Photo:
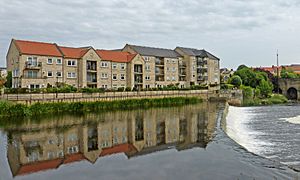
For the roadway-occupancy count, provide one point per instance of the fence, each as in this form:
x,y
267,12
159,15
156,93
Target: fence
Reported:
x,y
106,96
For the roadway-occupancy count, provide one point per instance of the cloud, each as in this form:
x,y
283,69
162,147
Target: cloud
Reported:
x,y
166,23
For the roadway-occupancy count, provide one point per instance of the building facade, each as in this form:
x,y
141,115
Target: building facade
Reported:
x,y
41,65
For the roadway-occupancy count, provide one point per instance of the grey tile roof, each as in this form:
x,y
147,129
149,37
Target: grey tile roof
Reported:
x,y
157,52
196,52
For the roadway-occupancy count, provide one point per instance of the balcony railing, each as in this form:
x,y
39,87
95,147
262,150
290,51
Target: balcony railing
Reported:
x,y
33,65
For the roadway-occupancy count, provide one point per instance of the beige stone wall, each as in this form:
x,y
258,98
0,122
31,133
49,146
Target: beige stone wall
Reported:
x,y
105,70
138,60
119,71
150,62
12,62
91,55
71,69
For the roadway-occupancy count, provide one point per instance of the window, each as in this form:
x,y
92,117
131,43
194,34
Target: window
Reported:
x,y
114,76
174,69
104,64
173,78
32,74
104,75
174,61
146,58
122,66
147,86
104,86
58,74
50,74
71,75
60,154
32,61
114,66
50,61
147,77
122,76
72,137
73,149
147,67
51,155
58,61
72,62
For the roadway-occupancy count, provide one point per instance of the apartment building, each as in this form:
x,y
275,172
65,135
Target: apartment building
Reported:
x,y
202,68
161,66
41,65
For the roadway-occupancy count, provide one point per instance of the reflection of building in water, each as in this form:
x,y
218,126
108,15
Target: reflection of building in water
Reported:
x,y
37,147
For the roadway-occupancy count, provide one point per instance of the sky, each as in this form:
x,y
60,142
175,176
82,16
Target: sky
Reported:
x,y
236,31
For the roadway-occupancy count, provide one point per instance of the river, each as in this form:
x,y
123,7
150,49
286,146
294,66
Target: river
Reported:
x,y
269,131
185,142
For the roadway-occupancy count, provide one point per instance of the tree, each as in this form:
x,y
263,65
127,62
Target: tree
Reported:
x,y
265,88
288,73
2,82
241,67
8,83
236,81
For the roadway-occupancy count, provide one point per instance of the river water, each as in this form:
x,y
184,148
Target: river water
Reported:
x,y
184,142
269,131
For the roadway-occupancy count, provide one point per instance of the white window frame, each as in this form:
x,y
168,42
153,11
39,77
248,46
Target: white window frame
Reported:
x,y
104,75
51,73
72,75
114,77
72,63
122,77
114,65
57,74
51,61
122,66
104,64
59,59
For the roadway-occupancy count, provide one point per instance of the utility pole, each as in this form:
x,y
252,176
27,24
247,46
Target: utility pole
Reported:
x,y
277,73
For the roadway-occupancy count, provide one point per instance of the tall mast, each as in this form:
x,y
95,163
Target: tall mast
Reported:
x,y
277,73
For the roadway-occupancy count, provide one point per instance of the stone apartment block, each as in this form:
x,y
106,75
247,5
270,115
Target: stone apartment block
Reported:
x,y
41,65
202,67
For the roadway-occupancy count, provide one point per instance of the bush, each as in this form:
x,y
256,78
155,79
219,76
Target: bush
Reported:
x,y
236,81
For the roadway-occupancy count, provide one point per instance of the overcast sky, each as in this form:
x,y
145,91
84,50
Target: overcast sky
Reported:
x,y
237,31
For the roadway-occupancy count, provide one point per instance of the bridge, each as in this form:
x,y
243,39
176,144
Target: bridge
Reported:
x,y
290,88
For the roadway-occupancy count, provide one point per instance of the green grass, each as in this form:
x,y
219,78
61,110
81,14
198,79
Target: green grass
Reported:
x,y
9,109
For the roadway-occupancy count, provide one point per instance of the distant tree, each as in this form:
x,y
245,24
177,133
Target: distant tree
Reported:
x,y
8,82
236,81
2,81
265,88
288,73
241,67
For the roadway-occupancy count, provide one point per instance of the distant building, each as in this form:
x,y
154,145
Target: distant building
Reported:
x,y
226,74
273,69
3,72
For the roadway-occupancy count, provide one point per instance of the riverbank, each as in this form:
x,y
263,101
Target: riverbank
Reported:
x,y
273,99
9,109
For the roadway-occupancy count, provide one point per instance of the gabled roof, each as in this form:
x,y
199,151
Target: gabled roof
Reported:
x,y
115,56
37,48
71,52
196,52
157,52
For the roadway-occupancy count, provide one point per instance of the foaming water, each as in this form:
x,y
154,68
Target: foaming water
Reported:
x,y
237,129
293,120
270,131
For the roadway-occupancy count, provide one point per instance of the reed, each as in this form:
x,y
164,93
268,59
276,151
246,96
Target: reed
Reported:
x,y
8,109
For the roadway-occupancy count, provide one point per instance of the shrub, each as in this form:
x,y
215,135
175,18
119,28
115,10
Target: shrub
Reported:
x,y
236,81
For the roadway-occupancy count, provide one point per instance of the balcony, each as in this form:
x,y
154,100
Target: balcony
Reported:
x,y
159,62
33,65
138,69
91,66
182,65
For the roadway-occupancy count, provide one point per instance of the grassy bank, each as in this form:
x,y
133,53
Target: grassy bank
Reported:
x,y
273,99
8,109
